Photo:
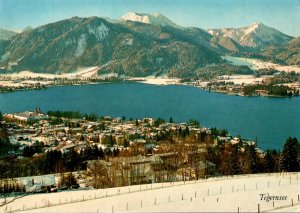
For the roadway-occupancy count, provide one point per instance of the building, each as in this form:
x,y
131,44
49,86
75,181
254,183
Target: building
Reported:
x,y
42,183
27,116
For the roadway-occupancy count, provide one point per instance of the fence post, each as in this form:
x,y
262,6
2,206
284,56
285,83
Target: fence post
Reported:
x,y
182,196
273,204
258,208
244,187
112,209
292,202
238,209
217,199
141,204
195,194
298,197
154,201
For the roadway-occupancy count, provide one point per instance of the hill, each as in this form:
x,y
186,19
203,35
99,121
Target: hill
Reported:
x,y
6,34
127,48
138,45
288,54
254,36
226,194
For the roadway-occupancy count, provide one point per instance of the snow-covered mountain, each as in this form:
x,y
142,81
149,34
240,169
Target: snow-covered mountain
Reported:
x,y
155,19
127,48
256,35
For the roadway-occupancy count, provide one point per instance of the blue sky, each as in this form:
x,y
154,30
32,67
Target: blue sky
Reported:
x,y
283,15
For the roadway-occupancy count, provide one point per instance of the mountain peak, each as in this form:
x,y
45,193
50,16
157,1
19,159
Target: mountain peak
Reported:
x,y
255,35
155,19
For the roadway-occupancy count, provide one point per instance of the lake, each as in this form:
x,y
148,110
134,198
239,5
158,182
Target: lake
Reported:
x,y
270,120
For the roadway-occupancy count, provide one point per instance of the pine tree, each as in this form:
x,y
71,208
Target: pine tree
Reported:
x,y
289,156
251,160
269,162
234,161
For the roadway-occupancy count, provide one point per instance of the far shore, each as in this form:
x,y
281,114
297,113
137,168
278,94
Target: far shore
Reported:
x,y
27,80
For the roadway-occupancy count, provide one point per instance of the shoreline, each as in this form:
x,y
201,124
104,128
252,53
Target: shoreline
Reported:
x,y
149,81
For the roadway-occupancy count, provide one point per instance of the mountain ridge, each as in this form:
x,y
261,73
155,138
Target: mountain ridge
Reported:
x,y
133,49
256,35
138,44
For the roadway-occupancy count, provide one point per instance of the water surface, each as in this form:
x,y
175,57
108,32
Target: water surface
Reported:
x,y
270,120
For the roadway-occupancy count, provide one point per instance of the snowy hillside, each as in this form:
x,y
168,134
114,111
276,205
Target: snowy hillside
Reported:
x,y
155,19
245,193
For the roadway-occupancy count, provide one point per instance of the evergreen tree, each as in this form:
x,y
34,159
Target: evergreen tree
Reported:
x,y
251,160
1,116
289,156
234,160
180,131
101,153
269,162
171,120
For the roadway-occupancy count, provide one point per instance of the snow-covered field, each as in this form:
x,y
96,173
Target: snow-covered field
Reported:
x,y
226,194
259,64
157,81
84,72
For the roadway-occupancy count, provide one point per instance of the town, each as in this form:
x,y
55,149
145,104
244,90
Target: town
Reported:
x,y
63,150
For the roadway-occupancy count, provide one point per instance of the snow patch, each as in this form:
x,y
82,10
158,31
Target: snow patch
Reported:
x,y
155,19
128,41
211,32
100,32
70,41
81,45
131,16
5,56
